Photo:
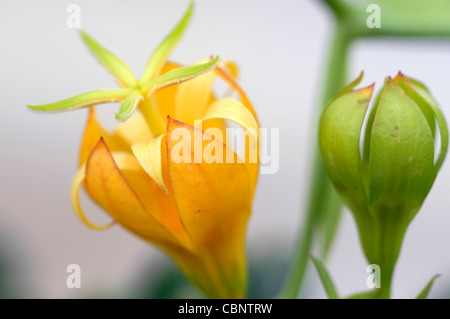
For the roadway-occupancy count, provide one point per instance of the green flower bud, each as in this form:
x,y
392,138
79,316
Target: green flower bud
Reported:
x,y
384,173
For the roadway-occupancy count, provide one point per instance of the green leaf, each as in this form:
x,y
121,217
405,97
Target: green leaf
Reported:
x,y
83,100
112,63
161,54
325,278
426,290
177,76
371,294
129,105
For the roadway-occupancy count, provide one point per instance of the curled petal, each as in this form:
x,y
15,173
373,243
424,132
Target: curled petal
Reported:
x,y
231,68
123,160
253,168
232,82
192,97
74,197
149,156
233,110
106,184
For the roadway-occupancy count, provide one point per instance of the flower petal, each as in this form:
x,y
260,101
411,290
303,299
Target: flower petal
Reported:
x,y
133,131
74,197
231,68
125,161
106,184
214,203
192,97
253,168
232,82
92,134
165,99
149,156
233,110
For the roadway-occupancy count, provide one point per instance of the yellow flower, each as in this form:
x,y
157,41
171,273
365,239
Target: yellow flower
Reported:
x,y
195,209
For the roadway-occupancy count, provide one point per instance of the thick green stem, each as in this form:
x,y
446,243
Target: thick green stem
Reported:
x,y
323,202
382,230
386,281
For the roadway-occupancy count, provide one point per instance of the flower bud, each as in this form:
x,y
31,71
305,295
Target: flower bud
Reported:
x,y
384,173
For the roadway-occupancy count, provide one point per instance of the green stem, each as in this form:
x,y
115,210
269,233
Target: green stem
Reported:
x,y
386,280
381,231
323,200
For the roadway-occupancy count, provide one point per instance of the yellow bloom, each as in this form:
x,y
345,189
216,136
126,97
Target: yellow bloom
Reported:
x,y
196,211
201,221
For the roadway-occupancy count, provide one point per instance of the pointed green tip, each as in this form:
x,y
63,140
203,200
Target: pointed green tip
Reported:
x,y
121,117
34,107
40,107
85,37
426,290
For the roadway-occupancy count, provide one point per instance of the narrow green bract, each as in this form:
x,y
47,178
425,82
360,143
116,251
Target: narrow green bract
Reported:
x,y
178,75
129,105
134,93
112,63
160,55
83,100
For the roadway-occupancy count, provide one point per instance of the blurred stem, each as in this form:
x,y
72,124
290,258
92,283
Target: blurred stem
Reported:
x,y
386,280
323,202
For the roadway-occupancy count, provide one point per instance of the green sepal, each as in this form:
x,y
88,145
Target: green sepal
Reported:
x,y
83,100
119,69
161,54
347,89
339,136
426,290
177,76
129,105
325,278
429,106
401,145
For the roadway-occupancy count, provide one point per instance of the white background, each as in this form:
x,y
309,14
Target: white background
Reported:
x,y
280,47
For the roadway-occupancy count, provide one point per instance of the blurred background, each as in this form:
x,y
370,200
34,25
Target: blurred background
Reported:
x,y
280,47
